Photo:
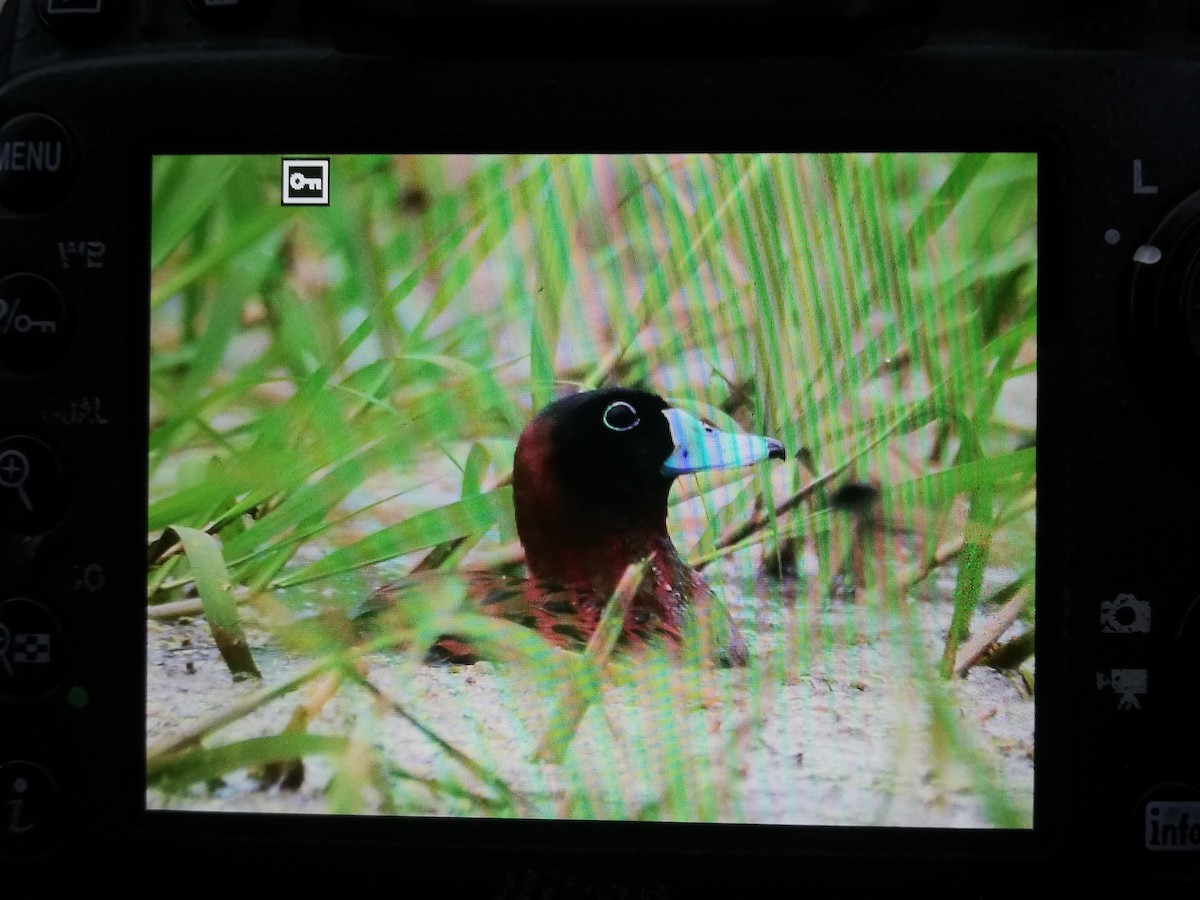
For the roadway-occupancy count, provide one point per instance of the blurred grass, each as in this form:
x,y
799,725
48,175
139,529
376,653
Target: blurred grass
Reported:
x,y
336,388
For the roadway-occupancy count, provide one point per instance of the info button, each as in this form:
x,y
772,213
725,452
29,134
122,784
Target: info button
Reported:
x,y
36,163
1167,823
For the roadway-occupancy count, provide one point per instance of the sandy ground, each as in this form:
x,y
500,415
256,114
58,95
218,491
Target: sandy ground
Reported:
x,y
826,726
844,738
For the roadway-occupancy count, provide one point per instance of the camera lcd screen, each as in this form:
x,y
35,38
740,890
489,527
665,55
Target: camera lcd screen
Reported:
x,y
673,487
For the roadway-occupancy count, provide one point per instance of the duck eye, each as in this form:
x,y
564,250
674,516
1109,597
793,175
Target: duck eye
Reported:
x,y
620,416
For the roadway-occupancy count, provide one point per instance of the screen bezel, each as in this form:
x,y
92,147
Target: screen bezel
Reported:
x,y
717,840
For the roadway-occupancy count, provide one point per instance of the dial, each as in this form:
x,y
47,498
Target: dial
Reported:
x,y
1165,303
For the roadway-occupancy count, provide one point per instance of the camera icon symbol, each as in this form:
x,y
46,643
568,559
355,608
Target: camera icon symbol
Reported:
x,y
1125,614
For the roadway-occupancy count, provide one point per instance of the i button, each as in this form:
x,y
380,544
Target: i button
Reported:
x,y
33,808
36,163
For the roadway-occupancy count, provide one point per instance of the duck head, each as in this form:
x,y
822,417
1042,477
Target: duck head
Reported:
x,y
591,477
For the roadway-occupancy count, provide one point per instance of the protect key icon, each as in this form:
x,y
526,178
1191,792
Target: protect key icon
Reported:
x,y
34,323
305,182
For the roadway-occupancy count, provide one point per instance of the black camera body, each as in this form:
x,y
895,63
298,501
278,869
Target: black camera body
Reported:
x,y
1107,98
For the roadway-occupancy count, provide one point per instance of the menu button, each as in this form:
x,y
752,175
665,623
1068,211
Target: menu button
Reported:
x,y
36,162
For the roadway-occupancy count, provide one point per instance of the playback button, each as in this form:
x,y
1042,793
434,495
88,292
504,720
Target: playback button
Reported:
x,y
33,323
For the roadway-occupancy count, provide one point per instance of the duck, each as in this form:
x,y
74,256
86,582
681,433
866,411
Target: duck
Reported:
x,y
591,478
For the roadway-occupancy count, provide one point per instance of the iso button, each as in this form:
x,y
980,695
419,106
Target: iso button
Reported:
x,y
34,493
36,163
33,324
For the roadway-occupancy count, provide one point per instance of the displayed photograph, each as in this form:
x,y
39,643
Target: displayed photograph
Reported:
x,y
658,487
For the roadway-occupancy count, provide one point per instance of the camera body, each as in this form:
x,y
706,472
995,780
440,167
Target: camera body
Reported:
x,y
1106,98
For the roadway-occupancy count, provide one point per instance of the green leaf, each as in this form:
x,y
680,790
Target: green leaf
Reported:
x,y
428,529
220,608
478,460
185,190
939,487
244,235
176,771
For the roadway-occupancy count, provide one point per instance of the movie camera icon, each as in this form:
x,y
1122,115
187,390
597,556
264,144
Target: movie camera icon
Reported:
x,y
305,182
1127,684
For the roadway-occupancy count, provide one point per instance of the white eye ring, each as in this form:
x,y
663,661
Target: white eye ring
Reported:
x,y
623,405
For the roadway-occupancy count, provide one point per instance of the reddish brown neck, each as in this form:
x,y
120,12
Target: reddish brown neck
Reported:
x,y
592,559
